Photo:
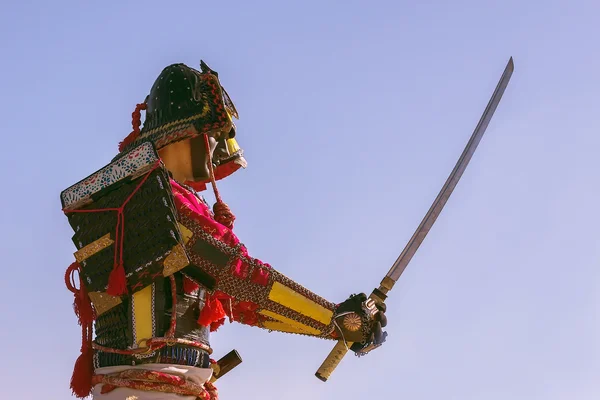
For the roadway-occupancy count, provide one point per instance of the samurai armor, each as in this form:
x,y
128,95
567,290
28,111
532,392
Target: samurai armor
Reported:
x,y
183,98
122,327
124,213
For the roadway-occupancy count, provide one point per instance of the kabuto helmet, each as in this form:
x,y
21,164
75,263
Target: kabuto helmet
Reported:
x,y
185,103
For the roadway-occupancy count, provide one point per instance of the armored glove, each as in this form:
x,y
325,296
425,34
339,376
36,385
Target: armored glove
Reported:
x,y
360,320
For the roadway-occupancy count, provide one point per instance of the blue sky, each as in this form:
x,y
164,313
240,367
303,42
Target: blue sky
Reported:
x,y
352,115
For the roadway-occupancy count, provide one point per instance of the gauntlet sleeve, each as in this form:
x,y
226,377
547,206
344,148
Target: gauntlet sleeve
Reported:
x,y
248,291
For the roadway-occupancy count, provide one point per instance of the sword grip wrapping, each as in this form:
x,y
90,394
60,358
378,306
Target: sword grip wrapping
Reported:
x,y
332,361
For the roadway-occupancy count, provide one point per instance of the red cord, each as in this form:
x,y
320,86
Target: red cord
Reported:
x,y
223,214
136,122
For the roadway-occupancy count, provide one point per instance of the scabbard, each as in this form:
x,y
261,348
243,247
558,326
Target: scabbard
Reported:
x,y
226,364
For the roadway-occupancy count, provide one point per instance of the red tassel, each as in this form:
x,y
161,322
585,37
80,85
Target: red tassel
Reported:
x,y
81,302
117,282
81,380
189,286
211,312
83,305
136,121
223,214
217,324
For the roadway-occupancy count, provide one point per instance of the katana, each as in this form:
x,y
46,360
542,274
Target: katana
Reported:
x,y
379,295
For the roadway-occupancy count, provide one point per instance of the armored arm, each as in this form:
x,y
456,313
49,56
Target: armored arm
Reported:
x,y
253,293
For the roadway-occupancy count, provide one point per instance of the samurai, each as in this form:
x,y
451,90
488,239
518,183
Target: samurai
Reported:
x,y
157,271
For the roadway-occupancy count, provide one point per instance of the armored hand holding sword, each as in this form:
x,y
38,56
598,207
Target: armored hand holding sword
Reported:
x,y
157,270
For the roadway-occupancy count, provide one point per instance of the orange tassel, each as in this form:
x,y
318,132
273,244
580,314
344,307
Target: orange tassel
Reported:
x,y
117,282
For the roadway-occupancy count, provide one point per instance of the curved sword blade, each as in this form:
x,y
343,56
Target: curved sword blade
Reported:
x,y
415,241
379,295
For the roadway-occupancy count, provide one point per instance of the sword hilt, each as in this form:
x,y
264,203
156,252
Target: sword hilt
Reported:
x,y
341,348
333,360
